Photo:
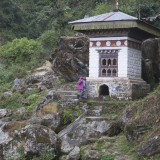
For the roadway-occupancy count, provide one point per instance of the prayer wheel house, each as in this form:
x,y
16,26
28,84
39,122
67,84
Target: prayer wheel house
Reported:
x,y
115,54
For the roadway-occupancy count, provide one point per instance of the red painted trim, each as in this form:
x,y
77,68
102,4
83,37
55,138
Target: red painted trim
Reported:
x,y
130,44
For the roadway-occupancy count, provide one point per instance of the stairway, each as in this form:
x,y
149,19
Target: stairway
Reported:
x,y
69,95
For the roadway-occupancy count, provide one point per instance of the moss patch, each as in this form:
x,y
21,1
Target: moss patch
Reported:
x,y
12,126
42,135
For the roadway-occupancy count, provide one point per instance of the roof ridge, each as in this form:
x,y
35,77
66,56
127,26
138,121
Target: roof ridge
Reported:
x,y
108,16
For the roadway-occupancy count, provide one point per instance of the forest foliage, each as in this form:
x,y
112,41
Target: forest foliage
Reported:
x,y
31,18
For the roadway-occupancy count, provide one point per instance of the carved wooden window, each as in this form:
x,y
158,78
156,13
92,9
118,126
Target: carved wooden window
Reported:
x,y
108,72
109,62
114,72
114,62
108,66
103,62
103,72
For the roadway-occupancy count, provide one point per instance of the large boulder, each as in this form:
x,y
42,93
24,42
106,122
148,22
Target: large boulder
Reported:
x,y
34,79
50,97
151,61
42,78
74,154
70,59
52,121
34,139
80,131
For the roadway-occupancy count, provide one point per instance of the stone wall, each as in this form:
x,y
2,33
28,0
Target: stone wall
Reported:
x,y
134,63
140,90
121,88
118,87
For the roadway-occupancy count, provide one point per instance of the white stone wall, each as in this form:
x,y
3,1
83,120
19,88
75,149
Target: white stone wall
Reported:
x,y
94,58
129,59
122,62
134,63
93,63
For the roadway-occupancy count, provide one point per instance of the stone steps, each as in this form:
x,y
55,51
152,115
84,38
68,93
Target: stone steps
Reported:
x,y
107,103
101,139
68,94
93,118
69,86
95,111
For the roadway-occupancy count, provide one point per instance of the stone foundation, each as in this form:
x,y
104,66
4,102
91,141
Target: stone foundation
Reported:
x,y
121,88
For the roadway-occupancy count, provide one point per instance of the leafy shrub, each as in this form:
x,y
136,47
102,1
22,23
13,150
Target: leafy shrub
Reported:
x,y
61,81
49,40
32,102
70,113
29,100
21,156
48,155
11,102
7,76
108,157
20,51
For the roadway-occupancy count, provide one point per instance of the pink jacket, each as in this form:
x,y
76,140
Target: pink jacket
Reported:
x,y
80,83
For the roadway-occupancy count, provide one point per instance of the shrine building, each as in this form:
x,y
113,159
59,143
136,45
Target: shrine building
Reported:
x,y
115,66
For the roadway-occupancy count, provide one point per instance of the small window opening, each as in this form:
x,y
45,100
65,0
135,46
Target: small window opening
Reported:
x,y
103,72
104,62
114,62
104,90
114,73
109,62
108,72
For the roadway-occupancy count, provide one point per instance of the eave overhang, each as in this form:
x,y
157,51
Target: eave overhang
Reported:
x,y
123,24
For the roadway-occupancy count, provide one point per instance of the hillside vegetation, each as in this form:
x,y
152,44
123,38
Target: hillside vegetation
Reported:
x,y
31,18
29,29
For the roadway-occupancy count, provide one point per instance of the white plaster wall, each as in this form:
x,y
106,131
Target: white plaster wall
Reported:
x,y
93,63
122,62
129,60
134,63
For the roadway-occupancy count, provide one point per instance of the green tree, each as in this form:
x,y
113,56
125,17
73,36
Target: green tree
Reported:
x,y
49,40
20,51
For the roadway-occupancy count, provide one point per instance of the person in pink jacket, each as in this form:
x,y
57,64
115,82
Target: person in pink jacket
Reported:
x,y
82,87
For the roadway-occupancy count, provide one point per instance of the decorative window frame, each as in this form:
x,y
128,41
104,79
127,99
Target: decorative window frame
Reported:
x,y
108,54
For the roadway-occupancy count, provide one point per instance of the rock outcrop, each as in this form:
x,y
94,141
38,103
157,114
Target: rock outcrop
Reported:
x,y
151,61
141,124
34,139
90,126
17,84
70,59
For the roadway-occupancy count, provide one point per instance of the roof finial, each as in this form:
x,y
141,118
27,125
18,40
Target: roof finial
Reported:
x,y
117,4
